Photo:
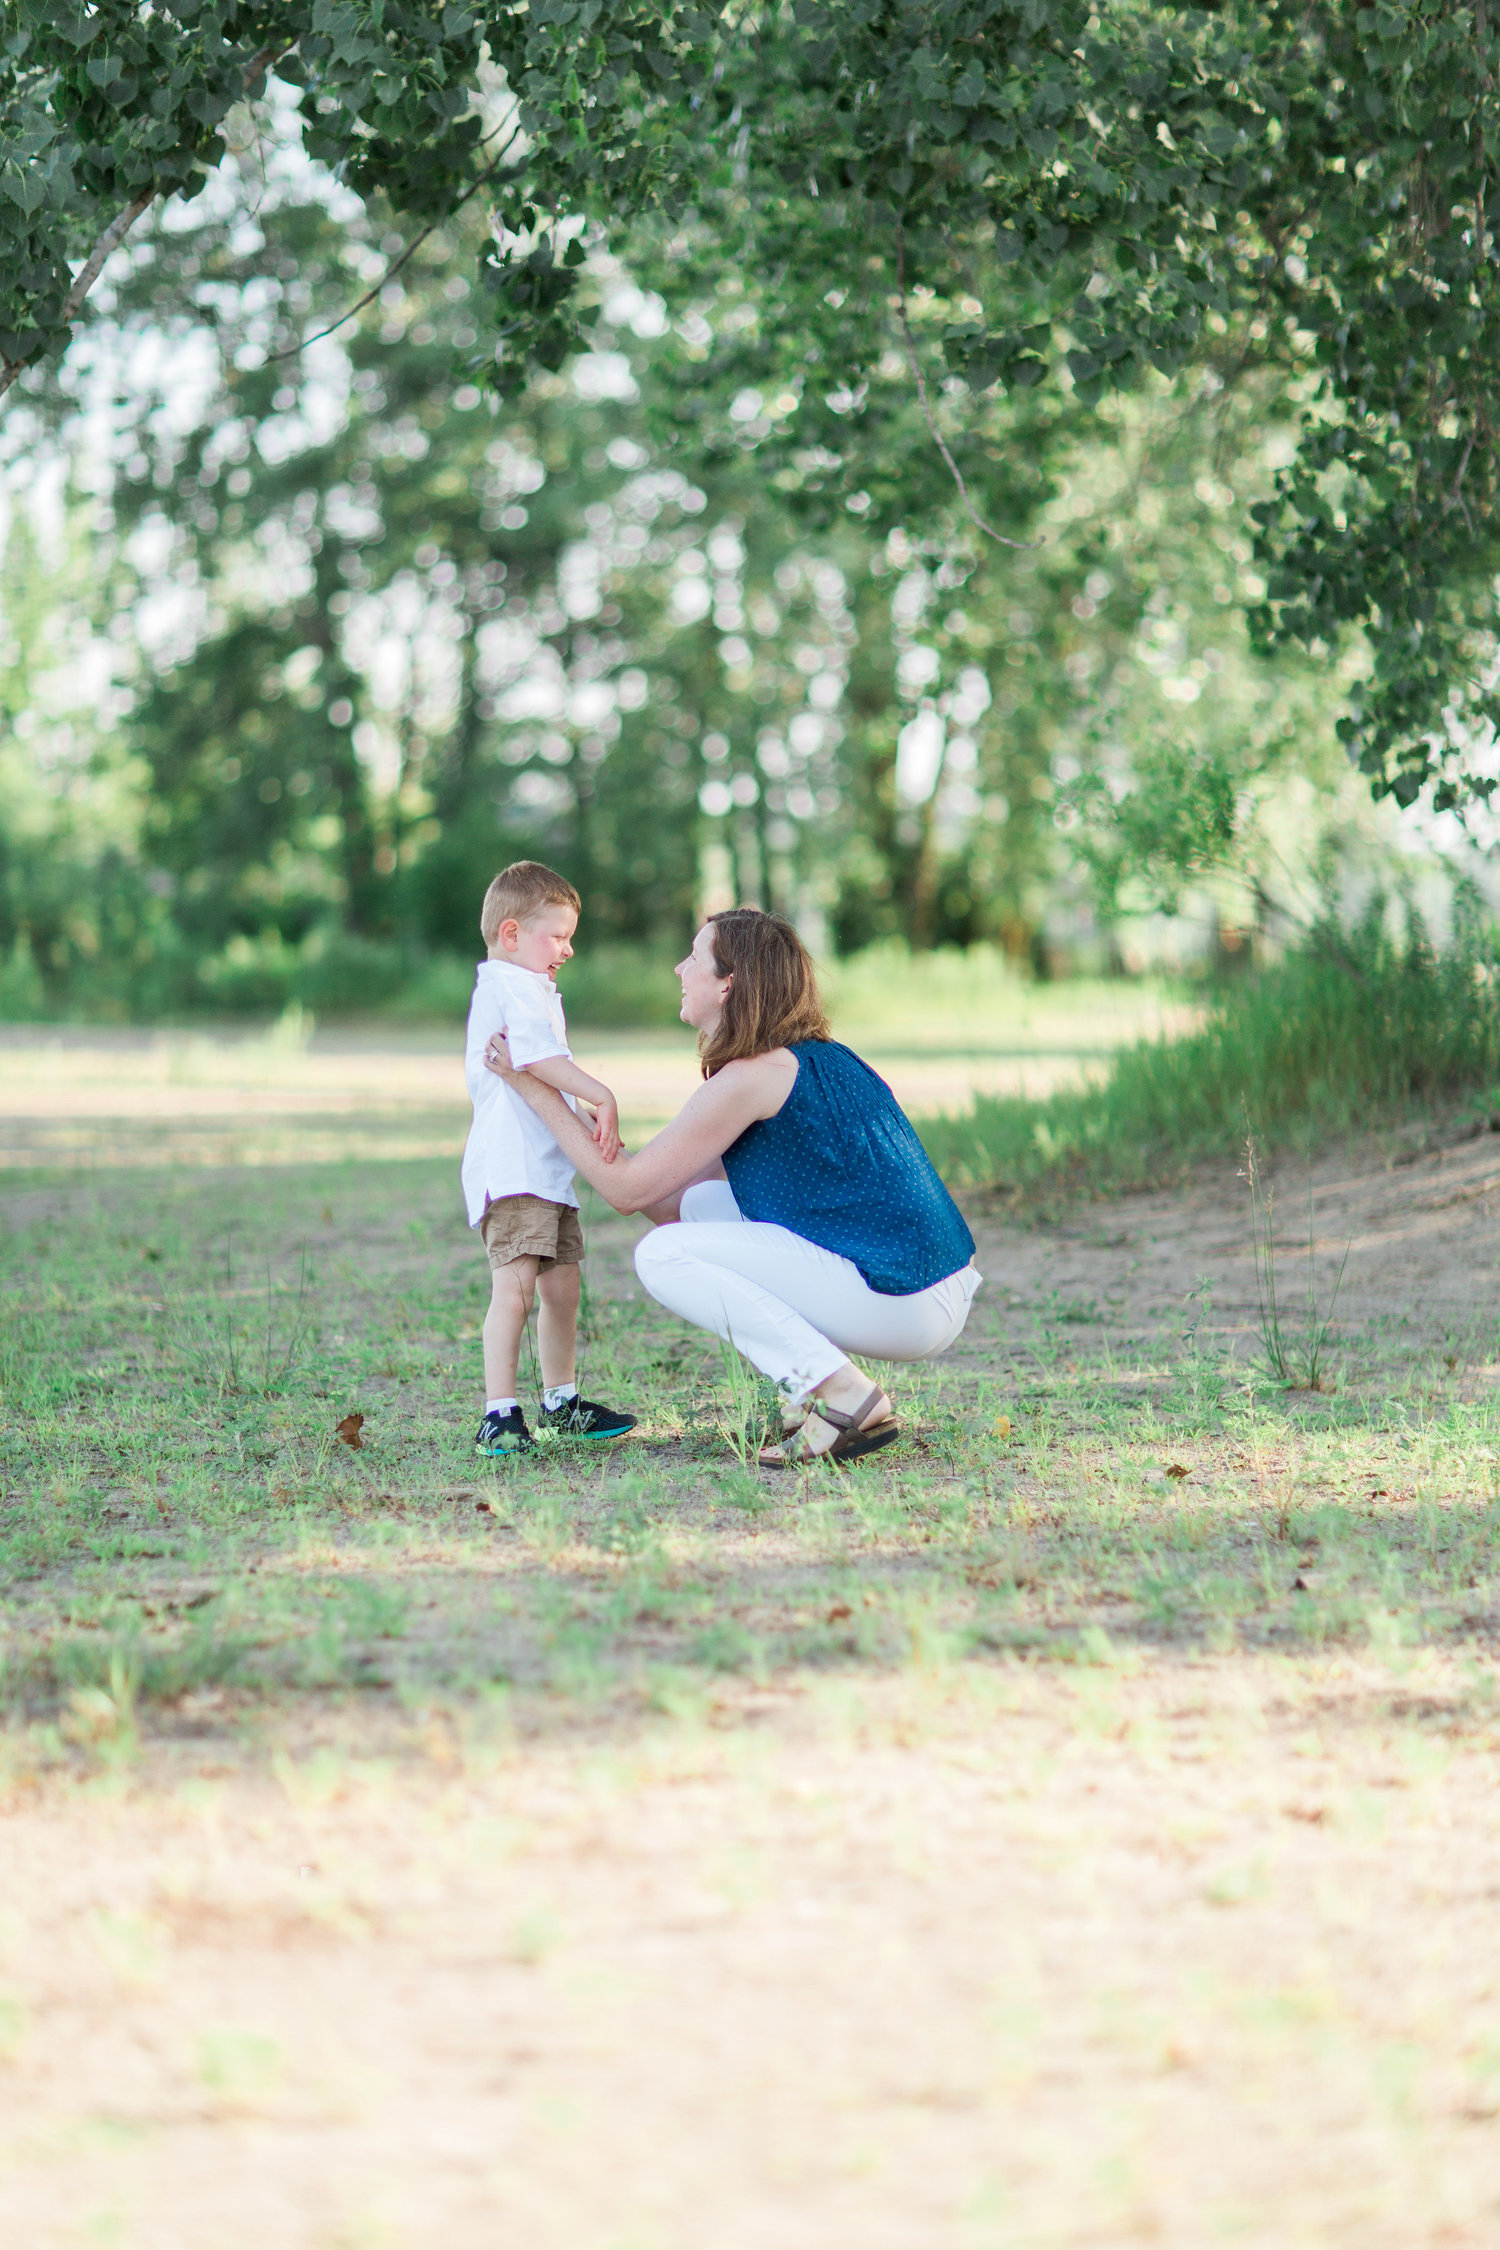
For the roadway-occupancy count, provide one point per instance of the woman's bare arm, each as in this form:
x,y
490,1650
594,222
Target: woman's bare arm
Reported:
x,y
563,1073
665,1213
686,1150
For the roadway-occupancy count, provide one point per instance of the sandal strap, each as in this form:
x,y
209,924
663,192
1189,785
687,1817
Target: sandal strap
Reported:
x,y
794,1445
840,1421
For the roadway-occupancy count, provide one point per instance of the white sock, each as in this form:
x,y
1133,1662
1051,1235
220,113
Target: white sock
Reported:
x,y
500,1406
561,1394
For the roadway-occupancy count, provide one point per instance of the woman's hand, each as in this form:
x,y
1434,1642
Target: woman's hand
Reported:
x,y
710,1121
607,1128
605,1110
497,1058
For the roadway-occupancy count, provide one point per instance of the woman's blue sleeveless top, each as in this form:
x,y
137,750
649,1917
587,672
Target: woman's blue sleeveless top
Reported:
x,y
840,1165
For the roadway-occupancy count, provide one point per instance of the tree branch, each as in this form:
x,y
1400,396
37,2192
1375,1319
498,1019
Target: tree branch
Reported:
x,y
115,233
937,436
415,244
112,237
1480,248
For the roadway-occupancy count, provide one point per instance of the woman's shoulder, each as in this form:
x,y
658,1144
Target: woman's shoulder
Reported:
x,y
757,1085
832,1056
776,1061
828,1050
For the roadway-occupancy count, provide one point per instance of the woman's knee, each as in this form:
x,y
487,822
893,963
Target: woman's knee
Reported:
x,y
709,1203
653,1253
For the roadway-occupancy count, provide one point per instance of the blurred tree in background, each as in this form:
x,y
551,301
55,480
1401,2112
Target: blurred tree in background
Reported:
x,y
306,634
977,195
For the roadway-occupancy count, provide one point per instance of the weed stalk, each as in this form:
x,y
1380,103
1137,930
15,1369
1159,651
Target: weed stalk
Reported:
x,y
1299,1365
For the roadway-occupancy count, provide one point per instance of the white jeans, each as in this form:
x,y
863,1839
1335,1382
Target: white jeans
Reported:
x,y
796,1311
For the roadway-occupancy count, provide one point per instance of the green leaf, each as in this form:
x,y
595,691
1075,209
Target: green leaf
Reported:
x,y
77,29
24,188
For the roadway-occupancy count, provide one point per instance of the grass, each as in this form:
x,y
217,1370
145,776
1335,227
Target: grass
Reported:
x,y
1296,1357
180,1512
888,1000
1352,1024
1069,1828
288,1092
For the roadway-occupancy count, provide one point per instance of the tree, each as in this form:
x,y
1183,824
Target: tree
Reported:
x,y
386,632
367,565
906,782
1011,192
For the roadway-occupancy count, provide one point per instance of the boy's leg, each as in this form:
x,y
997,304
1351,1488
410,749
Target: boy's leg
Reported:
x,y
512,1288
557,1335
557,1325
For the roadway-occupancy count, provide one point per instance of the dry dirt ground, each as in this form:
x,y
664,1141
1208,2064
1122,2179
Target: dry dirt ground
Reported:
x,y
1202,1955
1177,1948
1415,1215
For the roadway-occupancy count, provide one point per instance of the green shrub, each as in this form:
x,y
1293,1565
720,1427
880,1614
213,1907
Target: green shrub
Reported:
x,y
23,995
890,988
621,987
435,990
1351,1024
609,988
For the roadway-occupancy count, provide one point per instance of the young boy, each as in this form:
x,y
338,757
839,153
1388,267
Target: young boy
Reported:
x,y
518,1184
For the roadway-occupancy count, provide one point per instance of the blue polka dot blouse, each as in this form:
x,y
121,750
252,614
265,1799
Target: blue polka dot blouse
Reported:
x,y
840,1165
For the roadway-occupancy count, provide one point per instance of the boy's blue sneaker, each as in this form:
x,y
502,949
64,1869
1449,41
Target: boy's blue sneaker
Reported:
x,y
585,1418
504,1433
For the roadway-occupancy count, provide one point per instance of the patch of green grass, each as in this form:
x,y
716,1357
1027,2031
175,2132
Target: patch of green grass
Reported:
x,y
890,1000
186,1542
1355,1024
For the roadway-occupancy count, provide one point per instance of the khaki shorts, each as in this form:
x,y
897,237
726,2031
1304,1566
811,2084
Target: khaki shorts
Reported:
x,y
528,1226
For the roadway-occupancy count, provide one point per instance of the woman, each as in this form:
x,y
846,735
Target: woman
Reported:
x,y
796,1213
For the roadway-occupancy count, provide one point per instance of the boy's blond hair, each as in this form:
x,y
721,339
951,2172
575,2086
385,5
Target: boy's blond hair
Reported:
x,y
522,889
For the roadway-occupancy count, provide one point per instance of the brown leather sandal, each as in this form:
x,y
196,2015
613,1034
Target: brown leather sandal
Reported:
x,y
855,1436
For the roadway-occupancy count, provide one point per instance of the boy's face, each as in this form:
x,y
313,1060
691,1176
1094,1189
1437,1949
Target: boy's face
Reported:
x,y
543,941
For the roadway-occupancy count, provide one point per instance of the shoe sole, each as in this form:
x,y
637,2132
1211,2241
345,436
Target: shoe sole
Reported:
x,y
592,1437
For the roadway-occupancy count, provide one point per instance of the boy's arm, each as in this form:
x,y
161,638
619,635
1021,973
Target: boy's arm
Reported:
x,y
539,1046
563,1073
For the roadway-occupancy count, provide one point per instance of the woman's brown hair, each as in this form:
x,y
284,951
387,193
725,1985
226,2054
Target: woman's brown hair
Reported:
x,y
773,994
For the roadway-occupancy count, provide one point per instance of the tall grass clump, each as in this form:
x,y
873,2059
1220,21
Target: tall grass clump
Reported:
x,y
888,987
1356,1023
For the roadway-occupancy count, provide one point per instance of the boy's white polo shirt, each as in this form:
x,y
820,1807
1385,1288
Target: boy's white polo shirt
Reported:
x,y
509,1150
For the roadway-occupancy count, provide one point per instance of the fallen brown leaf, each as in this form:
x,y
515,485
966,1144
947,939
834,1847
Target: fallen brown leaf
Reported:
x,y
1176,1469
349,1430
839,1609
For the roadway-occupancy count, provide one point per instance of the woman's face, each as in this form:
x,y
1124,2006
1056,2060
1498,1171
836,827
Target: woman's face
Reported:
x,y
704,991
